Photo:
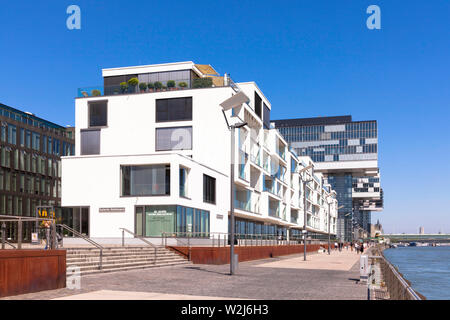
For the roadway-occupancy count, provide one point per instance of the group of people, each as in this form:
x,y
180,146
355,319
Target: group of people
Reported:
x,y
358,246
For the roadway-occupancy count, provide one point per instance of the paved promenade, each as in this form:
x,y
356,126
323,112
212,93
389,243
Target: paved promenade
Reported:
x,y
288,277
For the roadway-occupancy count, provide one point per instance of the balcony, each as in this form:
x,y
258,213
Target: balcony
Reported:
x,y
243,205
158,86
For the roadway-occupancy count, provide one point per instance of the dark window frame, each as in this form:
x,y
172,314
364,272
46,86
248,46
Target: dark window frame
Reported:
x,y
99,143
207,188
90,103
168,178
168,118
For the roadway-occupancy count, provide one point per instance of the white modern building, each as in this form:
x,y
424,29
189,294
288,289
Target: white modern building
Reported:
x,y
155,159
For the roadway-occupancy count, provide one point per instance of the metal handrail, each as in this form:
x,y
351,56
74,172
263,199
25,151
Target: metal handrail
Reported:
x,y
242,239
188,243
78,234
393,289
138,237
10,244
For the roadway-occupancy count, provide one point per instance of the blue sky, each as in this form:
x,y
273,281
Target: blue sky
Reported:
x,y
310,58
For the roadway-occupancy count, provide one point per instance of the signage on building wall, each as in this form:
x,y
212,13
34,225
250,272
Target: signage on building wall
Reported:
x,y
219,216
120,209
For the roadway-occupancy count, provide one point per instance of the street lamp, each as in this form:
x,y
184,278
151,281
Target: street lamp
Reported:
x,y
304,206
329,201
235,101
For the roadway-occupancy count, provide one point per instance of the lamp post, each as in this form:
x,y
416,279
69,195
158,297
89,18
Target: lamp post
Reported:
x,y
231,103
304,207
329,201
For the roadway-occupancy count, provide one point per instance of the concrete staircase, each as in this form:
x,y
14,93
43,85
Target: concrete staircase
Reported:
x,y
121,258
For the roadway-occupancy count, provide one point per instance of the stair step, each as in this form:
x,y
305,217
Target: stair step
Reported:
x,y
123,261
96,271
129,264
108,258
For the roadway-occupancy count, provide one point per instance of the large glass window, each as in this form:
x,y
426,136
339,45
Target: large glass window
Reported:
x,y
209,189
176,109
98,114
178,138
149,180
90,142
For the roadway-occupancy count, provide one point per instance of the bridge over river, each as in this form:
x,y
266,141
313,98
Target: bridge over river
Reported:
x,y
423,238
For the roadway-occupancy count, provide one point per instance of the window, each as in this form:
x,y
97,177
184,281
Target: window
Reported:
x,y
98,114
12,134
177,109
148,180
183,182
258,103
177,138
90,142
209,189
266,117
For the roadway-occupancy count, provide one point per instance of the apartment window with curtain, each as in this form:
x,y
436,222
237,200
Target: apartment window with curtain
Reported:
x,y
98,113
209,189
176,138
90,142
145,180
175,109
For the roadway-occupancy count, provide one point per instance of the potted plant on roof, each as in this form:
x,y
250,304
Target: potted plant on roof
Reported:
x,y
133,82
151,86
171,85
123,87
96,93
182,85
158,85
143,86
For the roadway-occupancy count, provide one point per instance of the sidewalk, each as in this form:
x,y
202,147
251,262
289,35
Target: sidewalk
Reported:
x,y
321,277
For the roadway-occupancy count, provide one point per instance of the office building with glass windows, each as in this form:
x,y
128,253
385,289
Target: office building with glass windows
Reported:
x,y
30,165
346,153
153,156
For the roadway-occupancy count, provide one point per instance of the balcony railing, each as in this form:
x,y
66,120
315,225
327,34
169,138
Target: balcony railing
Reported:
x,y
158,86
244,205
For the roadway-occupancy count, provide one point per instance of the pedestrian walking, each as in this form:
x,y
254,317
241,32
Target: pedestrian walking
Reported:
x,y
335,246
46,226
356,248
362,248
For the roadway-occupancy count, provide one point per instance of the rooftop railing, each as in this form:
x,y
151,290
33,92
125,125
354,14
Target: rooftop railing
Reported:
x,y
158,86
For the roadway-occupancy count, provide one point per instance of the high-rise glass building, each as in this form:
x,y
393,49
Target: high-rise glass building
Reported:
x,y
346,152
30,165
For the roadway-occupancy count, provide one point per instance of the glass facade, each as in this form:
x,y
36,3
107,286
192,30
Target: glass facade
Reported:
x,y
30,168
333,142
153,221
245,227
339,139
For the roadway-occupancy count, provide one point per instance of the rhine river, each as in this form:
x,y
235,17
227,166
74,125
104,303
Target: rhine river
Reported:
x,y
427,268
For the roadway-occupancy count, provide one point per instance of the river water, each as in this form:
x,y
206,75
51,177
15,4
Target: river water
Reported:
x,y
427,268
